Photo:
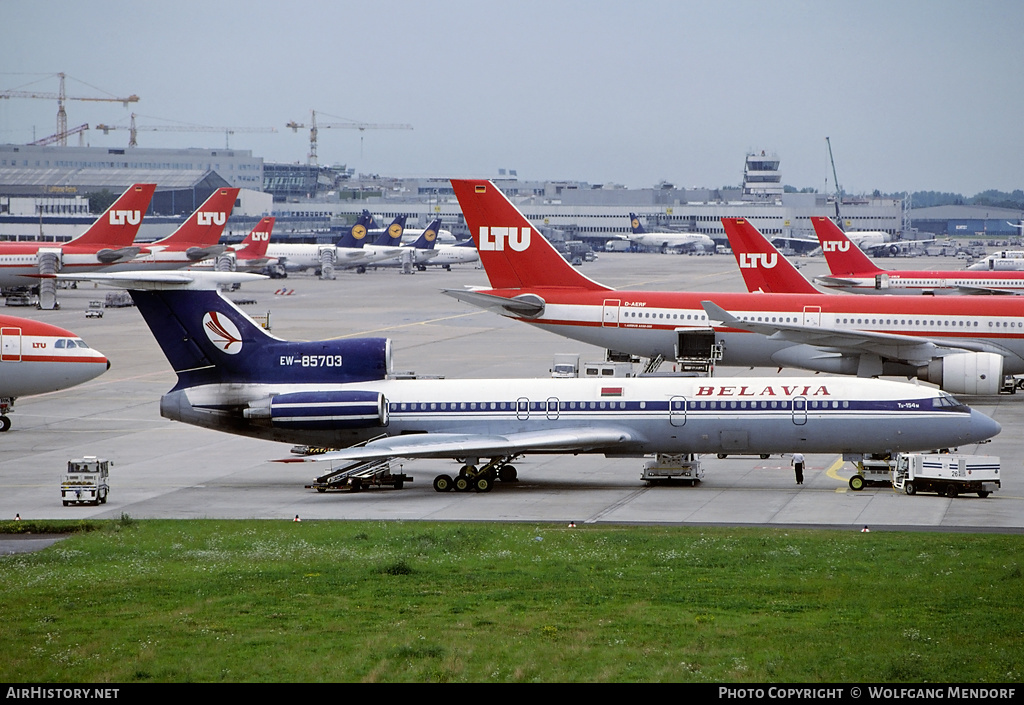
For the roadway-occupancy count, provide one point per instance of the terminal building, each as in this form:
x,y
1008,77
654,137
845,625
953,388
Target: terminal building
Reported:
x,y
44,189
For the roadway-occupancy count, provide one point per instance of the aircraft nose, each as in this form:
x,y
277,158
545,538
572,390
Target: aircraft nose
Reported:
x,y
983,427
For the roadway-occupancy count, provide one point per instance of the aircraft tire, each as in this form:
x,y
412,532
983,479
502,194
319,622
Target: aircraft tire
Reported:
x,y
5,424
508,473
462,483
483,484
443,483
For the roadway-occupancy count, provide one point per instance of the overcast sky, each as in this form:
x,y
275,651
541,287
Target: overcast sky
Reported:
x,y
915,95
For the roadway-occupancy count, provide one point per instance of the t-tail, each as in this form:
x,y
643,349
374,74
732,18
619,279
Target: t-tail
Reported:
x,y
513,253
635,226
209,340
428,238
763,267
842,254
392,237
119,225
355,237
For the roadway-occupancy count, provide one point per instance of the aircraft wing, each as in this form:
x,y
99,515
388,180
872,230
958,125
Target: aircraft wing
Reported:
x,y
893,346
525,305
461,445
174,279
835,281
985,291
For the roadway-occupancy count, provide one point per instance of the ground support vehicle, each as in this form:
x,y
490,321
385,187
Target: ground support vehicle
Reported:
x,y
360,475
85,482
875,471
95,310
946,474
666,467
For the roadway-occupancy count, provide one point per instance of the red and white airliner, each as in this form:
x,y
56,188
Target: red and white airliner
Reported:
x,y
195,240
852,271
107,241
36,358
966,344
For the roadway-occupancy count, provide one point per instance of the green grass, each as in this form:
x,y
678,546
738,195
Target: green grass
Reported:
x,y
233,601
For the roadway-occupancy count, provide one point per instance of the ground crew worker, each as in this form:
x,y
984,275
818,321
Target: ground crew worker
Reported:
x,y
798,467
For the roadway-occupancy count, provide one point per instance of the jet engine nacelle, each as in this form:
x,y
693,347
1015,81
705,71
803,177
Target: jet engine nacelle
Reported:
x,y
965,373
325,411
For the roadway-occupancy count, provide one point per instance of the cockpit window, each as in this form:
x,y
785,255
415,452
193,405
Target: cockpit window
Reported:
x,y
948,402
79,343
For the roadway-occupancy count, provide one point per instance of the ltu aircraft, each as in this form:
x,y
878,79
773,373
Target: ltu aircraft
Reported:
x,y
250,254
106,242
36,358
235,377
853,272
667,240
195,240
964,344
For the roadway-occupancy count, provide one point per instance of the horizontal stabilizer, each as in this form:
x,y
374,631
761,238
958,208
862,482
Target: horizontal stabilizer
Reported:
x,y
183,279
525,305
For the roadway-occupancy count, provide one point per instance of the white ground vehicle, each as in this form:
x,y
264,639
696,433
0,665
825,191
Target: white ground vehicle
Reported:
x,y
86,481
946,474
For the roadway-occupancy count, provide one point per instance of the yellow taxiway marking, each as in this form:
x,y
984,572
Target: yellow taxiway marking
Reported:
x,y
833,472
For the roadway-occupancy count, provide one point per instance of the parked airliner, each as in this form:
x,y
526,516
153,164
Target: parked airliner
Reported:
x,y
852,271
107,241
964,344
233,376
36,358
668,240
193,241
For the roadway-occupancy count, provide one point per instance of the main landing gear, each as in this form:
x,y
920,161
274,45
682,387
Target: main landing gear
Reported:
x,y
481,478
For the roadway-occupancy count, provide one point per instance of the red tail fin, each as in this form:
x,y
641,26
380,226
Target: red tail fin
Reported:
x,y
118,226
204,227
842,255
514,254
254,246
763,267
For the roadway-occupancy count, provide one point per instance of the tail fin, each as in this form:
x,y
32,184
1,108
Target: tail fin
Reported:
x,y
356,235
514,254
371,222
209,340
393,235
428,239
254,246
204,227
119,225
841,253
634,224
763,267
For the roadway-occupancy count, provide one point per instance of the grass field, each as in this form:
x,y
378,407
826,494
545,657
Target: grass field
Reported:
x,y
243,601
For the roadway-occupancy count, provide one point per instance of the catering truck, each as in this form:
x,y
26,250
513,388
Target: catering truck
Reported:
x,y
946,474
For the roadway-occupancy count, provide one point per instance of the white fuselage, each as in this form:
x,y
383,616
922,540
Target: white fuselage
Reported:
x,y
37,364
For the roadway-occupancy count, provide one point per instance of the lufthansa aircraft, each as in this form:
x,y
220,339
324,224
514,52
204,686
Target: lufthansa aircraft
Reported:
x,y
667,240
233,376
106,242
965,344
36,358
852,271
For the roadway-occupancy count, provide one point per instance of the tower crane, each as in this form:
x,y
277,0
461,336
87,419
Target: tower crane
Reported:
x,y
62,133
348,125
134,129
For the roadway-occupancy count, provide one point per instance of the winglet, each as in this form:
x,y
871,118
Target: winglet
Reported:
x,y
763,267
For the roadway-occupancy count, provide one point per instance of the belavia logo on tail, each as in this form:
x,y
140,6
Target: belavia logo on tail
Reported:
x,y
207,218
222,332
749,260
494,239
125,217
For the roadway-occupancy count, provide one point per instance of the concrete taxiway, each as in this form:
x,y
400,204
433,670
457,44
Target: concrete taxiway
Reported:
x,y
165,469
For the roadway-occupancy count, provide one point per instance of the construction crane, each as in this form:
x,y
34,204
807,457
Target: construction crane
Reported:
x,y
835,180
80,131
348,125
62,117
183,127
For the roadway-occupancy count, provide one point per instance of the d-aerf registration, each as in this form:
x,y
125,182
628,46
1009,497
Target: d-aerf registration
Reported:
x,y
106,242
965,344
36,358
852,271
233,376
